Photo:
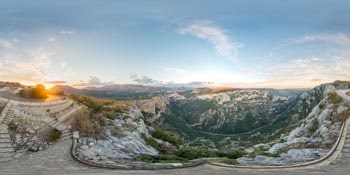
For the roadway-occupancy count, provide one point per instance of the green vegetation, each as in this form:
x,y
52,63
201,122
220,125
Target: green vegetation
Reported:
x,y
151,142
37,92
167,136
12,126
261,151
168,158
54,135
334,98
225,161
191,153
314,126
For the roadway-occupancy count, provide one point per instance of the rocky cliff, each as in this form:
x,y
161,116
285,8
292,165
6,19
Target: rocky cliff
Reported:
x,y
229,112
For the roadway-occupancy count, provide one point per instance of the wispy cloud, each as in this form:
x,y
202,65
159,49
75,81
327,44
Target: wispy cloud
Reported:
x,y
5,43
312,69
66,32
51,39
337,38
93,81
174,70
222,43
144,80
13,68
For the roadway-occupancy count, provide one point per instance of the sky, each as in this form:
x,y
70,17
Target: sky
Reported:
x,y
240,43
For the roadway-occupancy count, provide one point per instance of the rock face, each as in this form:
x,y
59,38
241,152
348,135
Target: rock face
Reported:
x,y
154,106
314,134
122,145
293,156
229,112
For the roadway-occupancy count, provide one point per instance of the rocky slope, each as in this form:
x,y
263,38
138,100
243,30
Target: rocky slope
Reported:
x,y
229,112
315,122
123,142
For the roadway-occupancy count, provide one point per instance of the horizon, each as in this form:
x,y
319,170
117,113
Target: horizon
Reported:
x,y
280,45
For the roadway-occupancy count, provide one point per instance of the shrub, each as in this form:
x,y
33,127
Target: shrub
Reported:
x,y
54,135
341,117
167,158
226,161
89,124
233,154
334,98
151,142
37,92
12,126
167,136
314,125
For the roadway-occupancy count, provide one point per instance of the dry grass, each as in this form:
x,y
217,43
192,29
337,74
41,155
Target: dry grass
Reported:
x,y
88,124
221,89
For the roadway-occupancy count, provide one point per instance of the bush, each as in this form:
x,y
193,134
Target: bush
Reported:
x,y
314,125
151,142
233,154
167,158
341,117
334,98
89,124
54,135
167,136
226,161
37,92
12,126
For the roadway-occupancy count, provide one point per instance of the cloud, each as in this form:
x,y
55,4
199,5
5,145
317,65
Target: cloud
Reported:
x,y
66,32
93,81
311,69
337,38
246,70
5,43
51,39
56,82
206,30
174,70
31,70
144,80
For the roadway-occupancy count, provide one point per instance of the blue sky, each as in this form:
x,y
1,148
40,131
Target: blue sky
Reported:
x,y
237,43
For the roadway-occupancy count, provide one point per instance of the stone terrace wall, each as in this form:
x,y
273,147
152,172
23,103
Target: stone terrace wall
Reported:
x,y
39,108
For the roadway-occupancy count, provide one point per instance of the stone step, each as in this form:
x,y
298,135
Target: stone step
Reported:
x,y
5,145
346,150
5,140
7,150
5,159
7,155
5,136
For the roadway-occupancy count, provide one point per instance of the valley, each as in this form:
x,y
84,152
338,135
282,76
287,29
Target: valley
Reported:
x,y
184,128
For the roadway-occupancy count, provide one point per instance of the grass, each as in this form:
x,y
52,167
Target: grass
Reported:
x,y
225,161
